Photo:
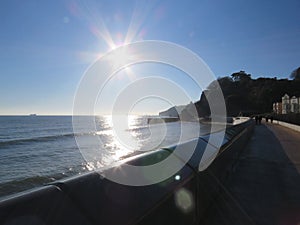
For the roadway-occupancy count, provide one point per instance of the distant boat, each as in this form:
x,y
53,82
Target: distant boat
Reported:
x,y
32,114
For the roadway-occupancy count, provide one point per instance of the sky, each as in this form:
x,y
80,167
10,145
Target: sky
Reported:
x,y
47,46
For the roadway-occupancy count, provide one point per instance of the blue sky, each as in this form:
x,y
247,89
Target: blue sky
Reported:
x,y
46,46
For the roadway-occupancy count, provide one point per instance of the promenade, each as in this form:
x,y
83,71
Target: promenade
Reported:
x,y
264,187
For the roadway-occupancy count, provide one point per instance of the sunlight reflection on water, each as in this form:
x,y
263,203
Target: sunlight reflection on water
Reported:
x,y
144,137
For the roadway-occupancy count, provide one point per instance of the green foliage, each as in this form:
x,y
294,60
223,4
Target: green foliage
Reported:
x,y
241,76
296,74
249,96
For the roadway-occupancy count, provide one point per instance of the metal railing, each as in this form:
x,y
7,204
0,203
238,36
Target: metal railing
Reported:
x,y
93,199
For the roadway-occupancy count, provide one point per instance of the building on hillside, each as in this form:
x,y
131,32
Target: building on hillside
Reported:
x,y
287,105
277,107
294,105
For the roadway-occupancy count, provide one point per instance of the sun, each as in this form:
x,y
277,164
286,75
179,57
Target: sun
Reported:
x,y
121,58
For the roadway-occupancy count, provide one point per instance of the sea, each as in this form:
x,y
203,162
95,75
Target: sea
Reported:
x,y
36,150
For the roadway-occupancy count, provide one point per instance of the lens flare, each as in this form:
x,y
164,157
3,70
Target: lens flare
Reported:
x,y
184,200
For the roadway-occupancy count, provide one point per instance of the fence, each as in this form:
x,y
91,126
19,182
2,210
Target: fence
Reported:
x,y
93,199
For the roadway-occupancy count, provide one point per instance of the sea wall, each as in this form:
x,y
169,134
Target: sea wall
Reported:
x,y
288,125
93,199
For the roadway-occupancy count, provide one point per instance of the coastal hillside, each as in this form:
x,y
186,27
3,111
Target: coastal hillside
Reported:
x,y
172,112
249,96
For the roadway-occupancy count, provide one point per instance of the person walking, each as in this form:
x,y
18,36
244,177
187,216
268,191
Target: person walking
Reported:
x,y
256,119
259,119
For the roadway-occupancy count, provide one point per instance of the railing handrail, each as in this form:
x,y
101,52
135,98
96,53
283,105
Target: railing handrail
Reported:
x,y
88,197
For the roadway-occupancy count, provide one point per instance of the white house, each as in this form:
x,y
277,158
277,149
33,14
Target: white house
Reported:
x,y
294,104
287,105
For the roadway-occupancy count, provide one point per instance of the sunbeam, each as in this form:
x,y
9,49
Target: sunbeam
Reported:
x,y
139,15
93,18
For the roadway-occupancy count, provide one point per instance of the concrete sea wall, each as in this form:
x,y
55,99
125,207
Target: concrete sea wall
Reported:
x,y
288,125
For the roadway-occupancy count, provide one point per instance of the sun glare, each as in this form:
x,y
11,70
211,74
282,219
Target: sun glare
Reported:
x,y
98,26
121,59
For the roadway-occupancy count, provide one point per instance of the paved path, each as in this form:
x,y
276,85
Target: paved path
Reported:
x,y
265,186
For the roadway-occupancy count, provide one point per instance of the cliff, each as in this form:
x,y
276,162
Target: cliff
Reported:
x,y
242,94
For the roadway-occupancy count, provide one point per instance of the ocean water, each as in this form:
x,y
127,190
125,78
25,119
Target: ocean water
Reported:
x,y
35,150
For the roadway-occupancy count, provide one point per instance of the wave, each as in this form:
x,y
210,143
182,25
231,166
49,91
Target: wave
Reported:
x,y
16,186
155,125
42,138
22,184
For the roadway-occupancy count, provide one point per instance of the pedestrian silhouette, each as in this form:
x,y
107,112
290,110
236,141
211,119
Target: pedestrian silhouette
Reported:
x,y
259,119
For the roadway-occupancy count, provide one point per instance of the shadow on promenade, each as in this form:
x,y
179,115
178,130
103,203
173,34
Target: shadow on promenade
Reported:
x,y
264,187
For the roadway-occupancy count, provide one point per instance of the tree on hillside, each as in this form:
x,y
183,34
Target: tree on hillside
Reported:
x,y
244,94
296,74
241,76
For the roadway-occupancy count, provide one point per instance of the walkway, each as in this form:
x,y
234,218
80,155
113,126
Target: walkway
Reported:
x,y
265,186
